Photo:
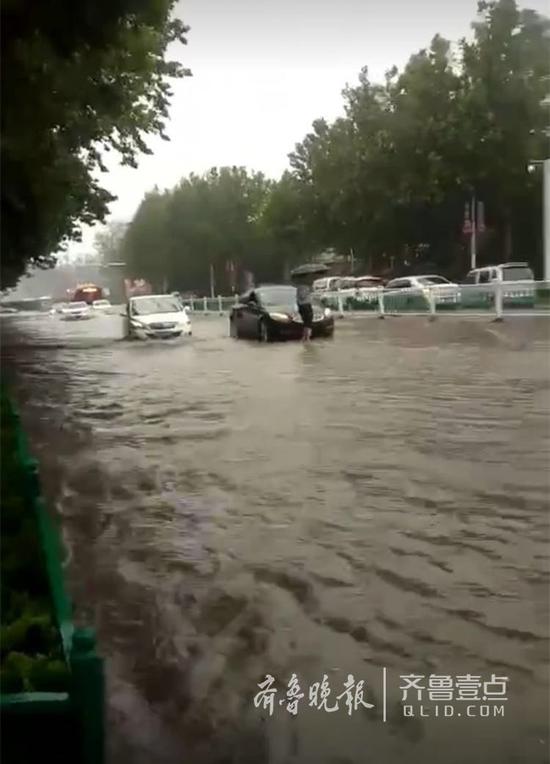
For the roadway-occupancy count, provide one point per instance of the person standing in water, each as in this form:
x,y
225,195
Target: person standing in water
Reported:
x,y
305,307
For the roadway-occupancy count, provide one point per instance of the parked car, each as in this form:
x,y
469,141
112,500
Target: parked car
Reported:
x,y
329,283
101,306
334,291
156,316
270,313
75,311
368,282
416,293
516,280
365,293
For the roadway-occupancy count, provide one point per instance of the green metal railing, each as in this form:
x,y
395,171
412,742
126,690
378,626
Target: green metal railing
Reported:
x,y
69,724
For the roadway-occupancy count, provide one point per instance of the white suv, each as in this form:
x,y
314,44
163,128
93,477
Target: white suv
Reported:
x,y
516,279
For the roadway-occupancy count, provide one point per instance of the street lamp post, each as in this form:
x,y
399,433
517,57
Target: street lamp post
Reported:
x,y
546,217
545,164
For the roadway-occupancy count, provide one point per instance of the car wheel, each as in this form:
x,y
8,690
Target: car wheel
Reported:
x,y
264,332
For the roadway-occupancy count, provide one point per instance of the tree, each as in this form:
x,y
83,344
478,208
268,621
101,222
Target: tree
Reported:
x,y
394,174
286,227
504,69
108,242
144,244
78,80
390,178
208,221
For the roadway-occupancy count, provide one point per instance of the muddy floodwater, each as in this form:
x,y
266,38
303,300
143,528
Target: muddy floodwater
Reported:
x,y
376,505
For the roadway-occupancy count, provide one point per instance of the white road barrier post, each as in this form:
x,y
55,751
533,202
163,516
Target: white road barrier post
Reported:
x,y
381,309
340,305
220,306
431,303
498,301
205,305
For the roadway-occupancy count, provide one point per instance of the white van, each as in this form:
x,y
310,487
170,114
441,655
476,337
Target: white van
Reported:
x,y
517,280
328,284
514,272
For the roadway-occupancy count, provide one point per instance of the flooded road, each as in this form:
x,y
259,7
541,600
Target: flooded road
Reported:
x,y
235,510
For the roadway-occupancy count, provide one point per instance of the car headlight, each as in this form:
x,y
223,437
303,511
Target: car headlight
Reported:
x,y
327,312
137,324
279,317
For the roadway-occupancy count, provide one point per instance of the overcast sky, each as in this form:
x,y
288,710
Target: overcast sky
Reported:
x,y
263,70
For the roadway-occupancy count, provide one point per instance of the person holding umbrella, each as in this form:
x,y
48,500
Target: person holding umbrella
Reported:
x,y
303,278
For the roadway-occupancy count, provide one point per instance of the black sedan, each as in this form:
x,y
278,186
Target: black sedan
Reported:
x,y
270,313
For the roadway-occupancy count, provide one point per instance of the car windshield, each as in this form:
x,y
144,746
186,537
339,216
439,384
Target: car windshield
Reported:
x,y
77,305
517,273
145,306
101,303
277,297
432,280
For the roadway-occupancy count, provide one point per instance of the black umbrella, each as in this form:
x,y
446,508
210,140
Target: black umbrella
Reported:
x,y
309,269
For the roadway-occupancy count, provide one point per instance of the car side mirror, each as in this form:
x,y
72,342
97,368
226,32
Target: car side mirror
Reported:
x,y
186,309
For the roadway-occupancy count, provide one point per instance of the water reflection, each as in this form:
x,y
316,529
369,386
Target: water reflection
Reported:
x,y
236,510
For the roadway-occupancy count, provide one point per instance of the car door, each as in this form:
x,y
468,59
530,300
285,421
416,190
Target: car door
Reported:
x,y
238,316
412,293
246,316
253,314
487,287
469,290
395,299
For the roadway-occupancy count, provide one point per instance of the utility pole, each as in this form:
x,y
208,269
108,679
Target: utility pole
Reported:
x,y
212,285
474,223
546,218
545,165
473,235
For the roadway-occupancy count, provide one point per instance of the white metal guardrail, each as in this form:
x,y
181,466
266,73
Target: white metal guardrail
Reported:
x,y
211,305
495,299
